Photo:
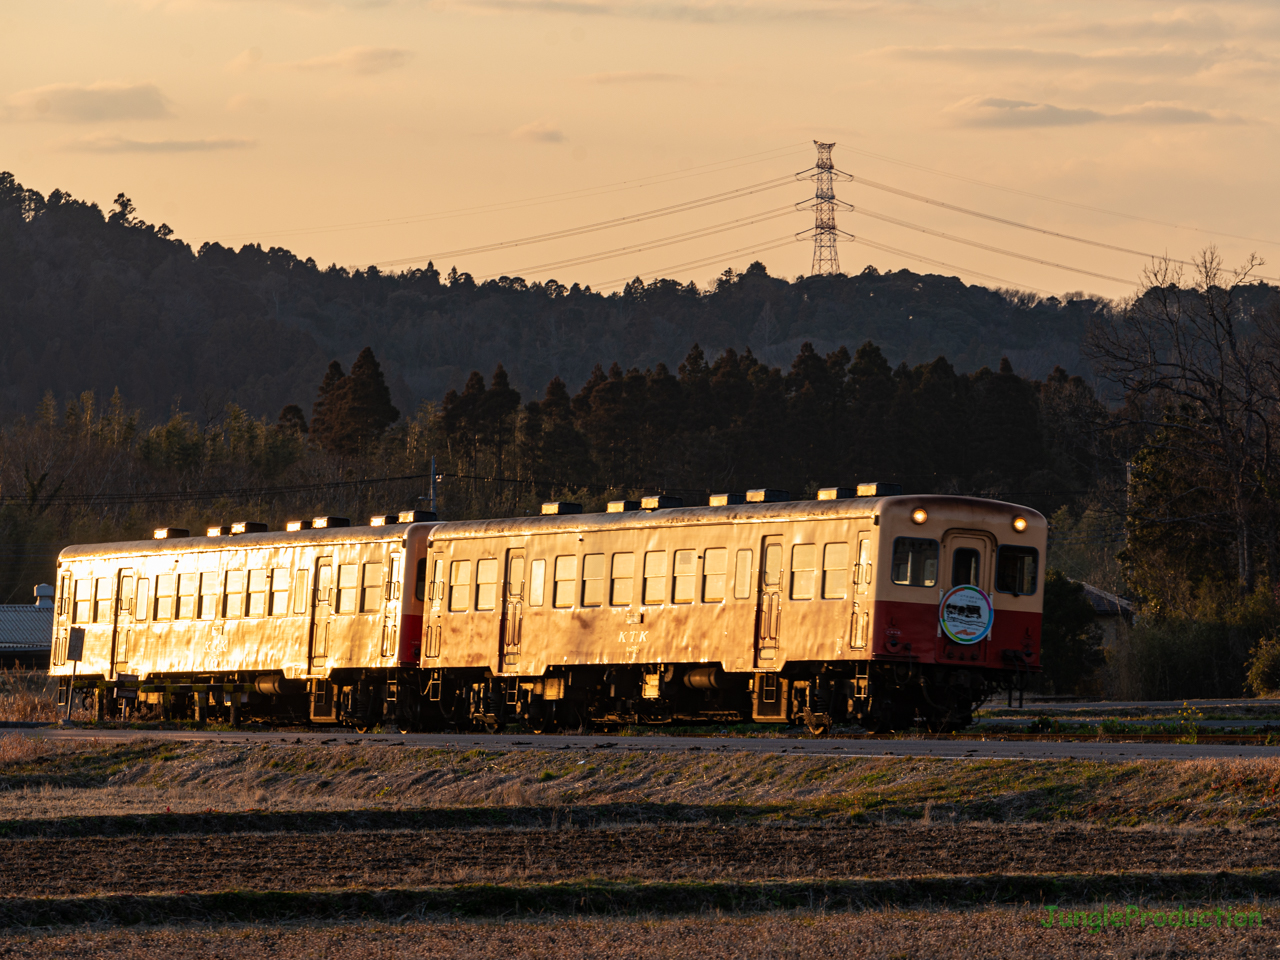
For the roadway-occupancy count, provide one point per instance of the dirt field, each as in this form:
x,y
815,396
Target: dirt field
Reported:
x,y
992,934
275,861
203,849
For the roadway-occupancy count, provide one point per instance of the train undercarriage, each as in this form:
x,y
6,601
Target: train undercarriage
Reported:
x,y
877,696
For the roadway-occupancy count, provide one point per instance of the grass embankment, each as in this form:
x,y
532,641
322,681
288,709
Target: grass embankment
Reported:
x,y
56,786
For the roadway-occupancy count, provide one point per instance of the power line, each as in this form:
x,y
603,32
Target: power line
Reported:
x,y
985,246
661,242
667,211
863,239
637,183
1059,200
774,244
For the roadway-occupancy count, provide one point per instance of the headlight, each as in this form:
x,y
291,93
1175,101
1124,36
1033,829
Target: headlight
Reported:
x,y
919,515
1020,524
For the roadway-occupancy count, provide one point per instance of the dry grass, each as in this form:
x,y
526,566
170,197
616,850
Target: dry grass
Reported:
x,y
899,934
87,778
31,696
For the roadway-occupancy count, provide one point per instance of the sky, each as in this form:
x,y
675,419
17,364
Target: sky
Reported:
x,y
391,132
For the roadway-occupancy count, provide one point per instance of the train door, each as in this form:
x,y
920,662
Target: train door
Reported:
x,y
769,609
968,557
860,626
64,619
512,612
122,627
321,612
391,606
431,634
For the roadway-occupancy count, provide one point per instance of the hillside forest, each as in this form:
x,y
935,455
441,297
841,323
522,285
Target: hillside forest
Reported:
x,y
144,384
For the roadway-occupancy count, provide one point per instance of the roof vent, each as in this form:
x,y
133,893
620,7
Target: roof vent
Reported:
x,y
415,516
660,502
248,526
382,519
44,595
879,489
218,532
324,523
726,499
766,495
293,526
837,493
169,533
622,506
559,508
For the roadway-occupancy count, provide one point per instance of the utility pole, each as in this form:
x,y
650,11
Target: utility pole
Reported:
x,y
826,260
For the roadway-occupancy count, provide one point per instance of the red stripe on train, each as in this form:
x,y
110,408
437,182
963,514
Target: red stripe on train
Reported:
x,y
914,627
410,639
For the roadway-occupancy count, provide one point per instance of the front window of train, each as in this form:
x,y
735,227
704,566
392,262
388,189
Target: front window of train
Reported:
x,y
915,562
1016,570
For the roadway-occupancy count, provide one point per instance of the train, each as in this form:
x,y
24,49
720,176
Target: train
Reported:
x,y
862,606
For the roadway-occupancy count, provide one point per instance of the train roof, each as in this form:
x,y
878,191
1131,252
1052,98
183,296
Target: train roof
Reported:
x,y
243,541
964,509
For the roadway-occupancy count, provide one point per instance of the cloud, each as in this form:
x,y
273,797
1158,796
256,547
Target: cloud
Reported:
x,y
246,61
89,103
693,11
635,76
540,131
1129,61
1001,112
112,144
361,61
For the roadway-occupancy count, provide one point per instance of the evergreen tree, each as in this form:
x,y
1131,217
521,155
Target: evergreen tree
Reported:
x,y
326,411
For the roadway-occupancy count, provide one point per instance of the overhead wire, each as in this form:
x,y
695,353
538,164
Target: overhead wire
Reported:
x,y
985,246
1058,200
940,263
753,249
578,231
580,193
773,214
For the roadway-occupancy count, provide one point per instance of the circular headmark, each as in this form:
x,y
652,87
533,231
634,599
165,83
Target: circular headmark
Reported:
x,y
966,614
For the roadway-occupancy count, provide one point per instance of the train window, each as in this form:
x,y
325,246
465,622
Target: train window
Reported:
x,y
257,594
102,601
863,574
371,588
1016,570
84,601
279,591
964,567
141,606
537,582
715,568
593,580
486,584
566,581
348,587
742,575
655,576
233,599
420,581
686,575
164,596
773,565
300,597
804,563
187,586
459,584
397,575
915,561
623,579
835,571
208,608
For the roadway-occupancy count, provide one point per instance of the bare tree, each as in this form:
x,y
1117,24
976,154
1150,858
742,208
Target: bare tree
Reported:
x,y
1198,369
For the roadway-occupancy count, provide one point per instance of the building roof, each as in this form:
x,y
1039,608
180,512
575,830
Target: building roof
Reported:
x,y
25,627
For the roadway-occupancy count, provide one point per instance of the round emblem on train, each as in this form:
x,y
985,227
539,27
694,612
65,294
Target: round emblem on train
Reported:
x,y
966,614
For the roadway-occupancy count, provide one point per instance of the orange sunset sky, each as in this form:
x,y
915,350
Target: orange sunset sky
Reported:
x,y
390,131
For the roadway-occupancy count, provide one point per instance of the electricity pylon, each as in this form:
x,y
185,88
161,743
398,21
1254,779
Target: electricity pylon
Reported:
x,y
824,173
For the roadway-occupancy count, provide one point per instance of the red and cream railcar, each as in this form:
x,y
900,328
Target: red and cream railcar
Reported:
x,y
880,609
309,623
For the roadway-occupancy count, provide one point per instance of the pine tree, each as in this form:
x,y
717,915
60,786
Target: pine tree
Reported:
x,y
365,408
325,412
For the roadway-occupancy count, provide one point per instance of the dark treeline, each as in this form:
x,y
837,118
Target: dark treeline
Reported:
x,y
98,301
